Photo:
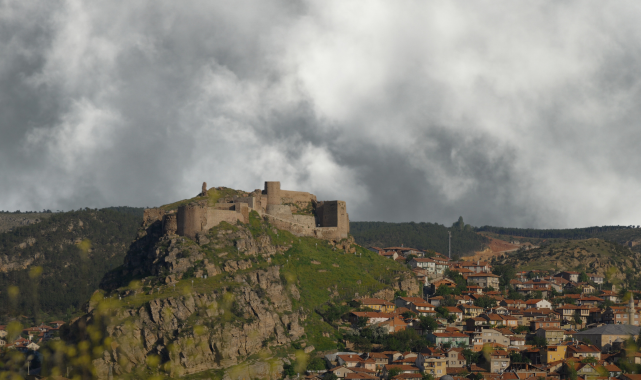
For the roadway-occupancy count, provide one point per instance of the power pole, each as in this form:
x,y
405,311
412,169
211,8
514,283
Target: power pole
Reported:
x,y
449,254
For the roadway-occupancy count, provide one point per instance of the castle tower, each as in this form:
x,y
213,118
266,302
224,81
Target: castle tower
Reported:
x,y
272,189
631,311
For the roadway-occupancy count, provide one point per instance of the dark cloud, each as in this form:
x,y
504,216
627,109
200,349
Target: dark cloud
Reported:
x,y
522,115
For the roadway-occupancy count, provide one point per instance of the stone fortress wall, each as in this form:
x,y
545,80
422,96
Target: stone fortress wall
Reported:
x,y
330,222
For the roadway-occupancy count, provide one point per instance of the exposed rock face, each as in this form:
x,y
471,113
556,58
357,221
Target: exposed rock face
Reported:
x,y
208,331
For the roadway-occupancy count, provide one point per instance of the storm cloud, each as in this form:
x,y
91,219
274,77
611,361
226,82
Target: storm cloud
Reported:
x,y
508,113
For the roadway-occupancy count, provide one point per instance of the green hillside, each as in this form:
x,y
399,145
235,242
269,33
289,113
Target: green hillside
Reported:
x,y
51,268
417,235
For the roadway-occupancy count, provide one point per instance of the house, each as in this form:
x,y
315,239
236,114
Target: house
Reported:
x,y
492,319
510,321
545,322
585,371
455,358
553,353
380,359
372,316
377,304
453,339
550,334
390,255
408,376
484,280
435,365
405,251
568,275
393,325
604,336
538,304
349,360
476,267
423,308
471,310
427,264
341,372
609,296
445,281
499,361
596,278
406,301
401,368
513,303
455,311
485,335
618,315
582,350
475,289
591,301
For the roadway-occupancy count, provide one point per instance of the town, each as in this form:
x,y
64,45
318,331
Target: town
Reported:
x,y
494,323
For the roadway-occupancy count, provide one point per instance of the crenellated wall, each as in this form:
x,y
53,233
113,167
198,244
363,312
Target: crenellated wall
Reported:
x,y
331,220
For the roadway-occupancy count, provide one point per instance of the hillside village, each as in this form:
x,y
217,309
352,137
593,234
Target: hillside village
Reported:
x,y
477,321
30,338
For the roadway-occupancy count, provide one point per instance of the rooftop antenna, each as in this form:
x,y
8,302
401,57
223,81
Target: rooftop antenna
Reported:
x,y
449,254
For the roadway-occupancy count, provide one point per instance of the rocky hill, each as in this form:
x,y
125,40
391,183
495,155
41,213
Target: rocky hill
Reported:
x,y
233,303
612,260
11,220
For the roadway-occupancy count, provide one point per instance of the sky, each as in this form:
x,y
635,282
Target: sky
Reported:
x,y
521,114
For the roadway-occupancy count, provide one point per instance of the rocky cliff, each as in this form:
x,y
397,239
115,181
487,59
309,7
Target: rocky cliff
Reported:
x,y
236,299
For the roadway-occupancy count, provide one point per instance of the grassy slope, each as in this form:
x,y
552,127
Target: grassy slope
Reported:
x,y
213,195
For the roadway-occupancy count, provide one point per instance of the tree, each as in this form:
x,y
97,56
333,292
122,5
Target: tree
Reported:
x,y
427,376
393,372
514,295
330,376
316,364
288,370
539,341
400,293
470,356
485,302
428,323
443,290
505,273
583,277
409,314
361,322
577,319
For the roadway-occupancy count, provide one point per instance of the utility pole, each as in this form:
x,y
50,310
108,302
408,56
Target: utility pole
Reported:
x,y
449,254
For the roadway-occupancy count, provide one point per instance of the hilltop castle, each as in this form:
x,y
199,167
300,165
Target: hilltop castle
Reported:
x,y
295,211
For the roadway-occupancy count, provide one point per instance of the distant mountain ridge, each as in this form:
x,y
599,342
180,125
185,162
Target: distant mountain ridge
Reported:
x,y
74,249
421,235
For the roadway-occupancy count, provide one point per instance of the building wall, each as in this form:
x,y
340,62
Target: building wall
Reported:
x,y
169,224
272,189
280,211
191,219
215,216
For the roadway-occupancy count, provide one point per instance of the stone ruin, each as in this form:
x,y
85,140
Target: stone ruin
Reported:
x,y
294,211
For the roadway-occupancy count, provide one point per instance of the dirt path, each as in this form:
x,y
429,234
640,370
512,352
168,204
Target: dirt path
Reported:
x,y
496,248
